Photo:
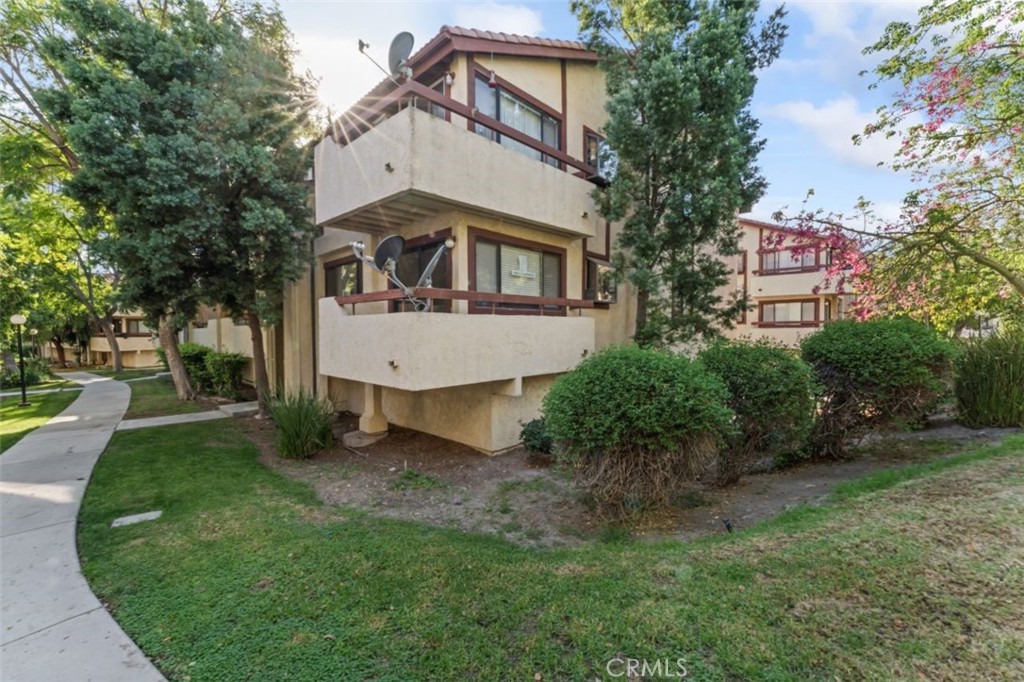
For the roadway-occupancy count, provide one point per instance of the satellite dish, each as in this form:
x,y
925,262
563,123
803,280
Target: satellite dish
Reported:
x,y
398,53
388,252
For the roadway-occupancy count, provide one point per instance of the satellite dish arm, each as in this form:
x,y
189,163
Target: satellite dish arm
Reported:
x,y
425,280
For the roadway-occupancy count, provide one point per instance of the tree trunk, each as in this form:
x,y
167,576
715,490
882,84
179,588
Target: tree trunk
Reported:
x,y
58,345
107,325
259,364
639,332
169,342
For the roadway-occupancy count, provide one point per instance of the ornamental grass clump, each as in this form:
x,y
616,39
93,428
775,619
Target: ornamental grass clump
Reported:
x,y
633,423
303,424
871,375
770,394
989,384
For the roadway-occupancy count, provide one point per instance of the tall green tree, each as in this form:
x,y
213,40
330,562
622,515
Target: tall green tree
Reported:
x,y
680,77
186,131
52,239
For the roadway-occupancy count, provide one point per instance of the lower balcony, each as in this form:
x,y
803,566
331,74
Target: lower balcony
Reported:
x,y
508,338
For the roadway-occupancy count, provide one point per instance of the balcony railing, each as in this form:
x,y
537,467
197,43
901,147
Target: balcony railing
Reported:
x,y
483,302
359,120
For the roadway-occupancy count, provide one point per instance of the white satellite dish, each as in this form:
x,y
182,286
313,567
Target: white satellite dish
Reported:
x,y
398,54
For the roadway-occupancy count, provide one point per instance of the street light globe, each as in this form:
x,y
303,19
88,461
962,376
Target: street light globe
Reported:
x,y
18,319
33,332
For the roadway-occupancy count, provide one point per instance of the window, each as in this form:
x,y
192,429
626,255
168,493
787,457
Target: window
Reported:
x,y
741,266
789,313
827,315
601,284
786,260
516,113
516,270
137,328
342,278
598,154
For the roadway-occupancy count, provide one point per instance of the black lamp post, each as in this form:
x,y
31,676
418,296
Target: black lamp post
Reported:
x,y
18,321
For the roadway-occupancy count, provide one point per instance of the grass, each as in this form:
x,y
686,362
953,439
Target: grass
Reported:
x,y
247,576
157,398
17,422
410,479
44,385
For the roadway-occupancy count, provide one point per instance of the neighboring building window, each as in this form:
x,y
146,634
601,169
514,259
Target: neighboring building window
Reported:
x,y
601,284
789,312
516,113
785,260
517,270
342,278
741,267
137,328
827,311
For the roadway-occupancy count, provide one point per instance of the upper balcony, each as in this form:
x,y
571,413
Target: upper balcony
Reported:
x,y
412,164
415,351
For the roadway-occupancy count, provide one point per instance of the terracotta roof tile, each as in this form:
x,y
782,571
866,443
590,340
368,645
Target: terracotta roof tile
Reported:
x,y
513,38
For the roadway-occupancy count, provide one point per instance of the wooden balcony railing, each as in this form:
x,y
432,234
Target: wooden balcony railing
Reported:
x,y
357,121
481,302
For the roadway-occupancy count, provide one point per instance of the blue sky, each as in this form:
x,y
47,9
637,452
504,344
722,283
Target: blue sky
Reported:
x,y
810,102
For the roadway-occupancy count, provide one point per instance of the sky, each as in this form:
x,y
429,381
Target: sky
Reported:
x,y
810,102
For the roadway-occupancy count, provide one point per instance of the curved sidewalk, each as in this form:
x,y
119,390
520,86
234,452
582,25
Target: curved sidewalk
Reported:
x,y
52,627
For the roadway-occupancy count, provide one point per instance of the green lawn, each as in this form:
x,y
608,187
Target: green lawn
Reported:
x,y
16,422
156,398
247,576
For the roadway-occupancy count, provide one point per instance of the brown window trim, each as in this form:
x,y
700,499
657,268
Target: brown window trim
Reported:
x,y
480,70
498,238
816,322
345,261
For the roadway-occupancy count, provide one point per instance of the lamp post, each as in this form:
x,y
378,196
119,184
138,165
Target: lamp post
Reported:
x,y
19,321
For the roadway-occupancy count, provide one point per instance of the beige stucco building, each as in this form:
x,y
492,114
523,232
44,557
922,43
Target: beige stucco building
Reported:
x,y
490,149
788,289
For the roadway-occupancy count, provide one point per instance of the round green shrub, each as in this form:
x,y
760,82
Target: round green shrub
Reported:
x,y
770,392
634,422
535,437
989,384
874,374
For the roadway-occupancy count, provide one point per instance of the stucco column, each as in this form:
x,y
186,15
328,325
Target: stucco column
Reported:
x,y
373,420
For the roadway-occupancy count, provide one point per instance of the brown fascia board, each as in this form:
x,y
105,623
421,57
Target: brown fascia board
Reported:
x,y
454,39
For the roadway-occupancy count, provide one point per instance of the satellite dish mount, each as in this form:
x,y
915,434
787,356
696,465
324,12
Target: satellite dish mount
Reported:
x,y
398,56
386,261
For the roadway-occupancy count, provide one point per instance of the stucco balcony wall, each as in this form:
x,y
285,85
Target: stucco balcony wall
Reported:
x,y
424,351
414,165
788,285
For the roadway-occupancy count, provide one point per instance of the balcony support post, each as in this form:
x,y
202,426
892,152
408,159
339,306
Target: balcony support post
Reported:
x,y
373,421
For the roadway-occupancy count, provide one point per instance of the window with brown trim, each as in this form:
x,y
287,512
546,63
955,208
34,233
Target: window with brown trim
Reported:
x,y
343,277
601,284
514,111
138,328
741,268
789,313
505,265
786,260
599,155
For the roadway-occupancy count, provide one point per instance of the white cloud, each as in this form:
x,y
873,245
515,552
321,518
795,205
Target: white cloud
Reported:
x,y
833,124
493,16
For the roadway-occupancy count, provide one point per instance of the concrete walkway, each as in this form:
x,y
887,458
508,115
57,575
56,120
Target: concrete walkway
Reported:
x,y
52,627
38,391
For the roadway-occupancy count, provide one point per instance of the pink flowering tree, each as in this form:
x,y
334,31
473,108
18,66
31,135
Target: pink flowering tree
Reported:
x,y
958,245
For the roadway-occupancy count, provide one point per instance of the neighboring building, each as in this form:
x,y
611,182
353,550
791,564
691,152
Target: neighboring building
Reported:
x,y
788,290
135,339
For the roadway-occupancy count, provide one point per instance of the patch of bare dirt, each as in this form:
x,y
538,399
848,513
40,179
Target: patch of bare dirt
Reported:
x,y
414,476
